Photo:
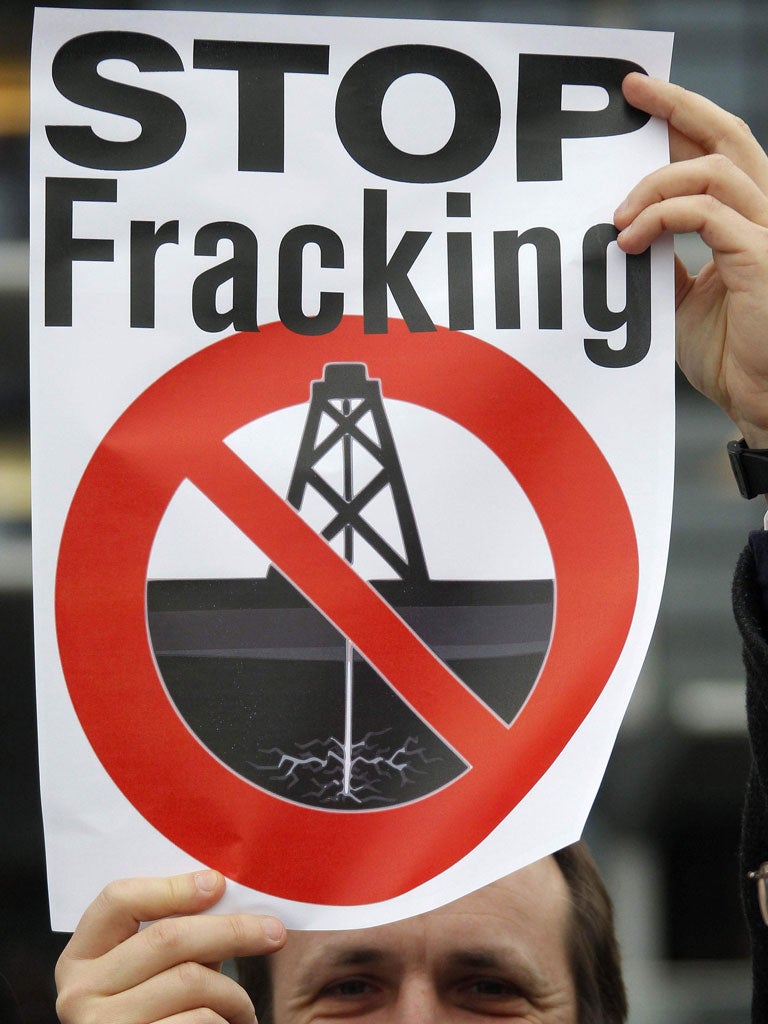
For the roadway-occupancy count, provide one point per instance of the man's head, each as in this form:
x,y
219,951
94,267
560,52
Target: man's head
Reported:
x,y
535,946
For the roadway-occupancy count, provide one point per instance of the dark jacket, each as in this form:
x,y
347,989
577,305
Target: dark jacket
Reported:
x,y
750,603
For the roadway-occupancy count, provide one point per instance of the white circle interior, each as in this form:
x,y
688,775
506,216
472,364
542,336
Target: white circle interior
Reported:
x,y
474,520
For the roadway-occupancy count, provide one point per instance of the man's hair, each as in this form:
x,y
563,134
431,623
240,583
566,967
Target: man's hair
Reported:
x,y
253,974
593,949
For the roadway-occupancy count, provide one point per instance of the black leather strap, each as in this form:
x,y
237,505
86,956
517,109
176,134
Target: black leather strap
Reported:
x,y
750,467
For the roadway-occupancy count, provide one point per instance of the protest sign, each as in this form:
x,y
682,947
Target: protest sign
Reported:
x,y
352,448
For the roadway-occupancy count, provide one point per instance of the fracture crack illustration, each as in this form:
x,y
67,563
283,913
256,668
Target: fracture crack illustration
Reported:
x,y
318,767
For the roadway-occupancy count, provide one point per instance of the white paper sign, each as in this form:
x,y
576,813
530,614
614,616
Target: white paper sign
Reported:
x,y
352,448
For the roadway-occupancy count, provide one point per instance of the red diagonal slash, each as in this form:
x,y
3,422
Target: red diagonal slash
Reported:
x,y
350,603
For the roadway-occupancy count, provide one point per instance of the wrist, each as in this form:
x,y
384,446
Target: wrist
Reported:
x,y
756,436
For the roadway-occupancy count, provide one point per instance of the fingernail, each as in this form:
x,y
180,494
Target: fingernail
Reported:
x,y
621,210
273,928
206,881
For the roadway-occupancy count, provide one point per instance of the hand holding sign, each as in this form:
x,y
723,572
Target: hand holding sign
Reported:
x,y
717,186
111,971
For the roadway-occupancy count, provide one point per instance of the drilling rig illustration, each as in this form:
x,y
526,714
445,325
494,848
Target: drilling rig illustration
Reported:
x,y
275,691
346,398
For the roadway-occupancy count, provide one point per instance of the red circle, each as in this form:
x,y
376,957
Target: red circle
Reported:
x,y
255,838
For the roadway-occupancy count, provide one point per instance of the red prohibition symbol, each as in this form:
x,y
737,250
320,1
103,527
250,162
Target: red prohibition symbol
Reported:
x,y
174,431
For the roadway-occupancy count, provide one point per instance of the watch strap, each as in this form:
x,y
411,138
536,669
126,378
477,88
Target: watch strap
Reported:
x,y
750,467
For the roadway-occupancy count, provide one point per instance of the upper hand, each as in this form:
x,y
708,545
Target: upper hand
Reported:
x,y
716,185
113,972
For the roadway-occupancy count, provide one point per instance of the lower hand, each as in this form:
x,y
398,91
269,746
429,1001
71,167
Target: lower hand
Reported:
x,y
113,972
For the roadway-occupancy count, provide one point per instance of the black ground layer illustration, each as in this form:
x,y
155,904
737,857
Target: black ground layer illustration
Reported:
x,y
257,673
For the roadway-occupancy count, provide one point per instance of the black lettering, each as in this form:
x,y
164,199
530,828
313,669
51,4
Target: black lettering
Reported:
x,y
261,70
76,75
145,241
637,307
542,124
506,267
290,279
61,249
379,274
461,309
361,95
241,270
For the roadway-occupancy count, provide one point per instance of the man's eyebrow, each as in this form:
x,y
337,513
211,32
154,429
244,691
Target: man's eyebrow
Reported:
x,y
476,958
352,956
335,957
501,960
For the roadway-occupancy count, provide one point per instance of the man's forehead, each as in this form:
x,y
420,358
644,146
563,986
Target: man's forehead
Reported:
x,y
524,908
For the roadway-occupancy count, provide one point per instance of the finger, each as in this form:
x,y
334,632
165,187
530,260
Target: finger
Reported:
x,y
203,940
118,910
196,1016
713,175
726,232
183,989
187,992
700,122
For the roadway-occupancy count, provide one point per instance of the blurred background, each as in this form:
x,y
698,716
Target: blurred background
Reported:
x,y
665,827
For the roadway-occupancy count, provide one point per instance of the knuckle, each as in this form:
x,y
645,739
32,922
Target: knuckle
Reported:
x,y
165,935
709,204
192,975
238,928
742,126
679,98
64,1006
75,1004
180,889
110,897
115,901
61,970
242,933
719,163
